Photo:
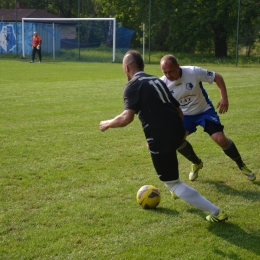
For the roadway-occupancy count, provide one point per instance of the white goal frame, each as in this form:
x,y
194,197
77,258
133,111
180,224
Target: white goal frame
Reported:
x,y
72,19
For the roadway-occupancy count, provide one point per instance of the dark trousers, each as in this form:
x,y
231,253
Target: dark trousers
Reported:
x,y
166,166
39,53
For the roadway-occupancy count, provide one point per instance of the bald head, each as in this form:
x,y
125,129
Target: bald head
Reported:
x,y
169,58
170,67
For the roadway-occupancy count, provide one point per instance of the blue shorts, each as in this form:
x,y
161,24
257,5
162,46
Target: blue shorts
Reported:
x,y
209,120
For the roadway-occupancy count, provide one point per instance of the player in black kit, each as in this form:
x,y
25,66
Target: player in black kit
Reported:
x,y
149,98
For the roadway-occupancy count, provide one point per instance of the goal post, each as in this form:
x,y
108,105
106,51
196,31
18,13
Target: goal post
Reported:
x,y
53,21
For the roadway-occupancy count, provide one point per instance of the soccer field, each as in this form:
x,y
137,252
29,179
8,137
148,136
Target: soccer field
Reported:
x,y
68,190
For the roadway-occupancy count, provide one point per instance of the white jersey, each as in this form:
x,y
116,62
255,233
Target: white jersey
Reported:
x,y
189,91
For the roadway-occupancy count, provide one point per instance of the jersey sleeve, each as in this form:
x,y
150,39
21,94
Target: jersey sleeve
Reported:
x,y
131,97
204,75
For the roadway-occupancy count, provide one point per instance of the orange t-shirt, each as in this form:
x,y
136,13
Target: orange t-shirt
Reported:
x,y
36,40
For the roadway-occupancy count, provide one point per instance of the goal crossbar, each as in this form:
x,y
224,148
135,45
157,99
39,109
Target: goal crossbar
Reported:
x,y
72,19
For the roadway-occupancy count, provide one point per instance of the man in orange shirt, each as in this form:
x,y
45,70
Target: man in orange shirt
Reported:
x,y
36,47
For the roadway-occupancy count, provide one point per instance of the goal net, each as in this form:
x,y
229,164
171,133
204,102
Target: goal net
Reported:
x,y
83,39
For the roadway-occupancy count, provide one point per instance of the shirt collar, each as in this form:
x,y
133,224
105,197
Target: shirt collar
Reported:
x,y
139,72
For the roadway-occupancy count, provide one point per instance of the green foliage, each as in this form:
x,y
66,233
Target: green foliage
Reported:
x,y
189,26
250,25
68,190
199,26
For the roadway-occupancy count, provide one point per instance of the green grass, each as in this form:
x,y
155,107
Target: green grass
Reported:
x,y
68,190
104,54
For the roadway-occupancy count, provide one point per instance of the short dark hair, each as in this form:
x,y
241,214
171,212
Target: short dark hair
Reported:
x,y
138,60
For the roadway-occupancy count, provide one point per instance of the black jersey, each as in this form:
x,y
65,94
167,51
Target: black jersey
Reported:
x,y
151,100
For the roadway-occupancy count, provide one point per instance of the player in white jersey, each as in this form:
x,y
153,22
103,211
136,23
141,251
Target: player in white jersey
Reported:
x,y
185,84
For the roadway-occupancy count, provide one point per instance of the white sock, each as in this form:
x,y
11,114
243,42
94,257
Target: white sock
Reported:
x,y
191,196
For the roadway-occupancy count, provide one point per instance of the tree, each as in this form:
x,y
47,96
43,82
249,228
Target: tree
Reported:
x,y
6,4
249,24
193,26
199,25
122,10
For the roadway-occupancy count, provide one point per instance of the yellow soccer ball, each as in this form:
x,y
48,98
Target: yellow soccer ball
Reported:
x,y
148,197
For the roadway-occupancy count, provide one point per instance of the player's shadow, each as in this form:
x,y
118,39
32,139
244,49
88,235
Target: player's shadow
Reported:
x,y
234,234
167,211
227,255
228,190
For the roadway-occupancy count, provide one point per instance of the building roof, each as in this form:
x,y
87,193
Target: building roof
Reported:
x,y
9,15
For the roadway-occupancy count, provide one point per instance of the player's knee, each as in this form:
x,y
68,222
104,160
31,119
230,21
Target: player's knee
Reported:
x,y
183,144
227,145
219,138
171,185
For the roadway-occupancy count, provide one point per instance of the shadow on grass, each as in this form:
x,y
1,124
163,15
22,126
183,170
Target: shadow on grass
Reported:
x,y
226,255
234,234
167,211
225,189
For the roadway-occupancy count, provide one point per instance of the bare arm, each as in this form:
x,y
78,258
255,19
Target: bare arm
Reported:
x,y
223,103
121,120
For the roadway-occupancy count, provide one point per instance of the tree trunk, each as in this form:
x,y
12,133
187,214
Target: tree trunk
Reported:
x,y
220,41
46,3
90,24
109,39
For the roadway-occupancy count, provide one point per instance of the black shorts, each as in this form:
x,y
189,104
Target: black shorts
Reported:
x,y
212,128
166,166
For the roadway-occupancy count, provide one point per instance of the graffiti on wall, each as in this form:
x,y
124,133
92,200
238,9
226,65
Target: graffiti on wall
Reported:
x,y
7,38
